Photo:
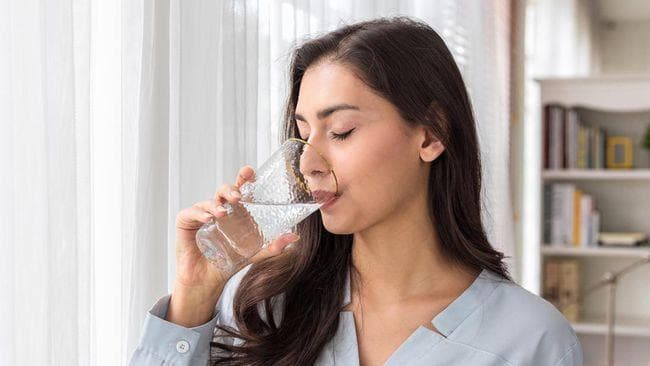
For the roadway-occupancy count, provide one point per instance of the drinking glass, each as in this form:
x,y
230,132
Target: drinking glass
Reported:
x,y
291,185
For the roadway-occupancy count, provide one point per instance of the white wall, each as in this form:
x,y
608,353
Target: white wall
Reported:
x,y
625,47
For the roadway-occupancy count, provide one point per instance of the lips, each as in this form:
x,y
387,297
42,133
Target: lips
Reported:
x,y
322,196
330,202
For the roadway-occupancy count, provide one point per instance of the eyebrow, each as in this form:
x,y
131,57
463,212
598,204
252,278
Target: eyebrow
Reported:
x,y
328,111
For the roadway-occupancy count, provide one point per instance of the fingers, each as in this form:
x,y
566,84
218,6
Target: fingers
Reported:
x,y
192,218
230,193
227,193
211,207
246,173
200,213
275,247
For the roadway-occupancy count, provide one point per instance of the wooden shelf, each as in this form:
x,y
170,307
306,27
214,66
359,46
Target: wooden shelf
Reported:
x,y
608,252
624,327
622,93
618,105
596,174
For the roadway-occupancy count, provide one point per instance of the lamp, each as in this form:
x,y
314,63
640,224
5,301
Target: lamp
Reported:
x,y
610,280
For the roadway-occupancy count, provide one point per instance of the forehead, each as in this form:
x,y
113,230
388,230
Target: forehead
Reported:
x,y
329,83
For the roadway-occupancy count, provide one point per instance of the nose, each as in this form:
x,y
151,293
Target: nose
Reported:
x,y
313,163
316,169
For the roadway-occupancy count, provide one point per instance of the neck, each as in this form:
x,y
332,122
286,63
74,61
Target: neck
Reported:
x,y
400,259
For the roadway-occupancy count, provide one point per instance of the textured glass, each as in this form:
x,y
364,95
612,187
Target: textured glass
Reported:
x,y
292,184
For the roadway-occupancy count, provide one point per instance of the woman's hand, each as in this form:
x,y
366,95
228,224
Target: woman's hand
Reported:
x,y
199,283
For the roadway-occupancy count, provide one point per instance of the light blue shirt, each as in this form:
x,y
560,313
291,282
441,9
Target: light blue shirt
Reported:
x,y
493,322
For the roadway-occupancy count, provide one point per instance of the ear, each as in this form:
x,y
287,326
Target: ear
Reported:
x,y
430,147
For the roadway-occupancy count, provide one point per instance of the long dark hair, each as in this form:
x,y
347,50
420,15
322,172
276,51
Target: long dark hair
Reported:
x,y
408,64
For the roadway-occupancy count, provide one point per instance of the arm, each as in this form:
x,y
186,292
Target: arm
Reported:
x,y
165,343
162,330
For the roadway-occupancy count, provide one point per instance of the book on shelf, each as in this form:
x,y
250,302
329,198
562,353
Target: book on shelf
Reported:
x,y
625,239
551,281
569,143
561,286
570,216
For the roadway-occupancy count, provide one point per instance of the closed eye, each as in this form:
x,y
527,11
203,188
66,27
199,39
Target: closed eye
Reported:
x,y
334,136
342,136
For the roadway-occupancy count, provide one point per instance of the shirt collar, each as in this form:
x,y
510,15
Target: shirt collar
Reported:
x,y
471,299
459,309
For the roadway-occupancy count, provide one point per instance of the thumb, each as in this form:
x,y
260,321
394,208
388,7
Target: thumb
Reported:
x,y
275,247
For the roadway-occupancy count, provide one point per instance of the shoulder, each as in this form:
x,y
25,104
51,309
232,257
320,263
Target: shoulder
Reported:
x,y
519,306
525,328
531,310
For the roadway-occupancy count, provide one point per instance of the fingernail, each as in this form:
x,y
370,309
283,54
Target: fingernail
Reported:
x,y
235,194
293,237
221,209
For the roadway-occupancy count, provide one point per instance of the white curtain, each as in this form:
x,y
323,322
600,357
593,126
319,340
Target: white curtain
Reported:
x,y
563,38
117,114
84,104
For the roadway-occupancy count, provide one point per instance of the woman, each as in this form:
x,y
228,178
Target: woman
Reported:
x,y
398,271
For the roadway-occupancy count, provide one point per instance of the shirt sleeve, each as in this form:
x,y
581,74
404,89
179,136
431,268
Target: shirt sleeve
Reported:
x,y
573,357
166,343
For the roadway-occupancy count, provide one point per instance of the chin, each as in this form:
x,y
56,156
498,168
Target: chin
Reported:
x,y
337,225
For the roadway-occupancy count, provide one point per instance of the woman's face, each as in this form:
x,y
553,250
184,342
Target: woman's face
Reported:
x,y
374,153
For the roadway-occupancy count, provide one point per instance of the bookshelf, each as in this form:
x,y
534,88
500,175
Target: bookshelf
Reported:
x,y
619,106
625,327
560,251
595,174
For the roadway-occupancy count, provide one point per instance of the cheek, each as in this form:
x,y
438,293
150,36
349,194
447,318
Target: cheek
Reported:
x,y
376,179
385,177
377,153
386,164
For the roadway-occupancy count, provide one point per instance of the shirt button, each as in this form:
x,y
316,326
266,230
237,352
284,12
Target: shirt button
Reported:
x,y
182,346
